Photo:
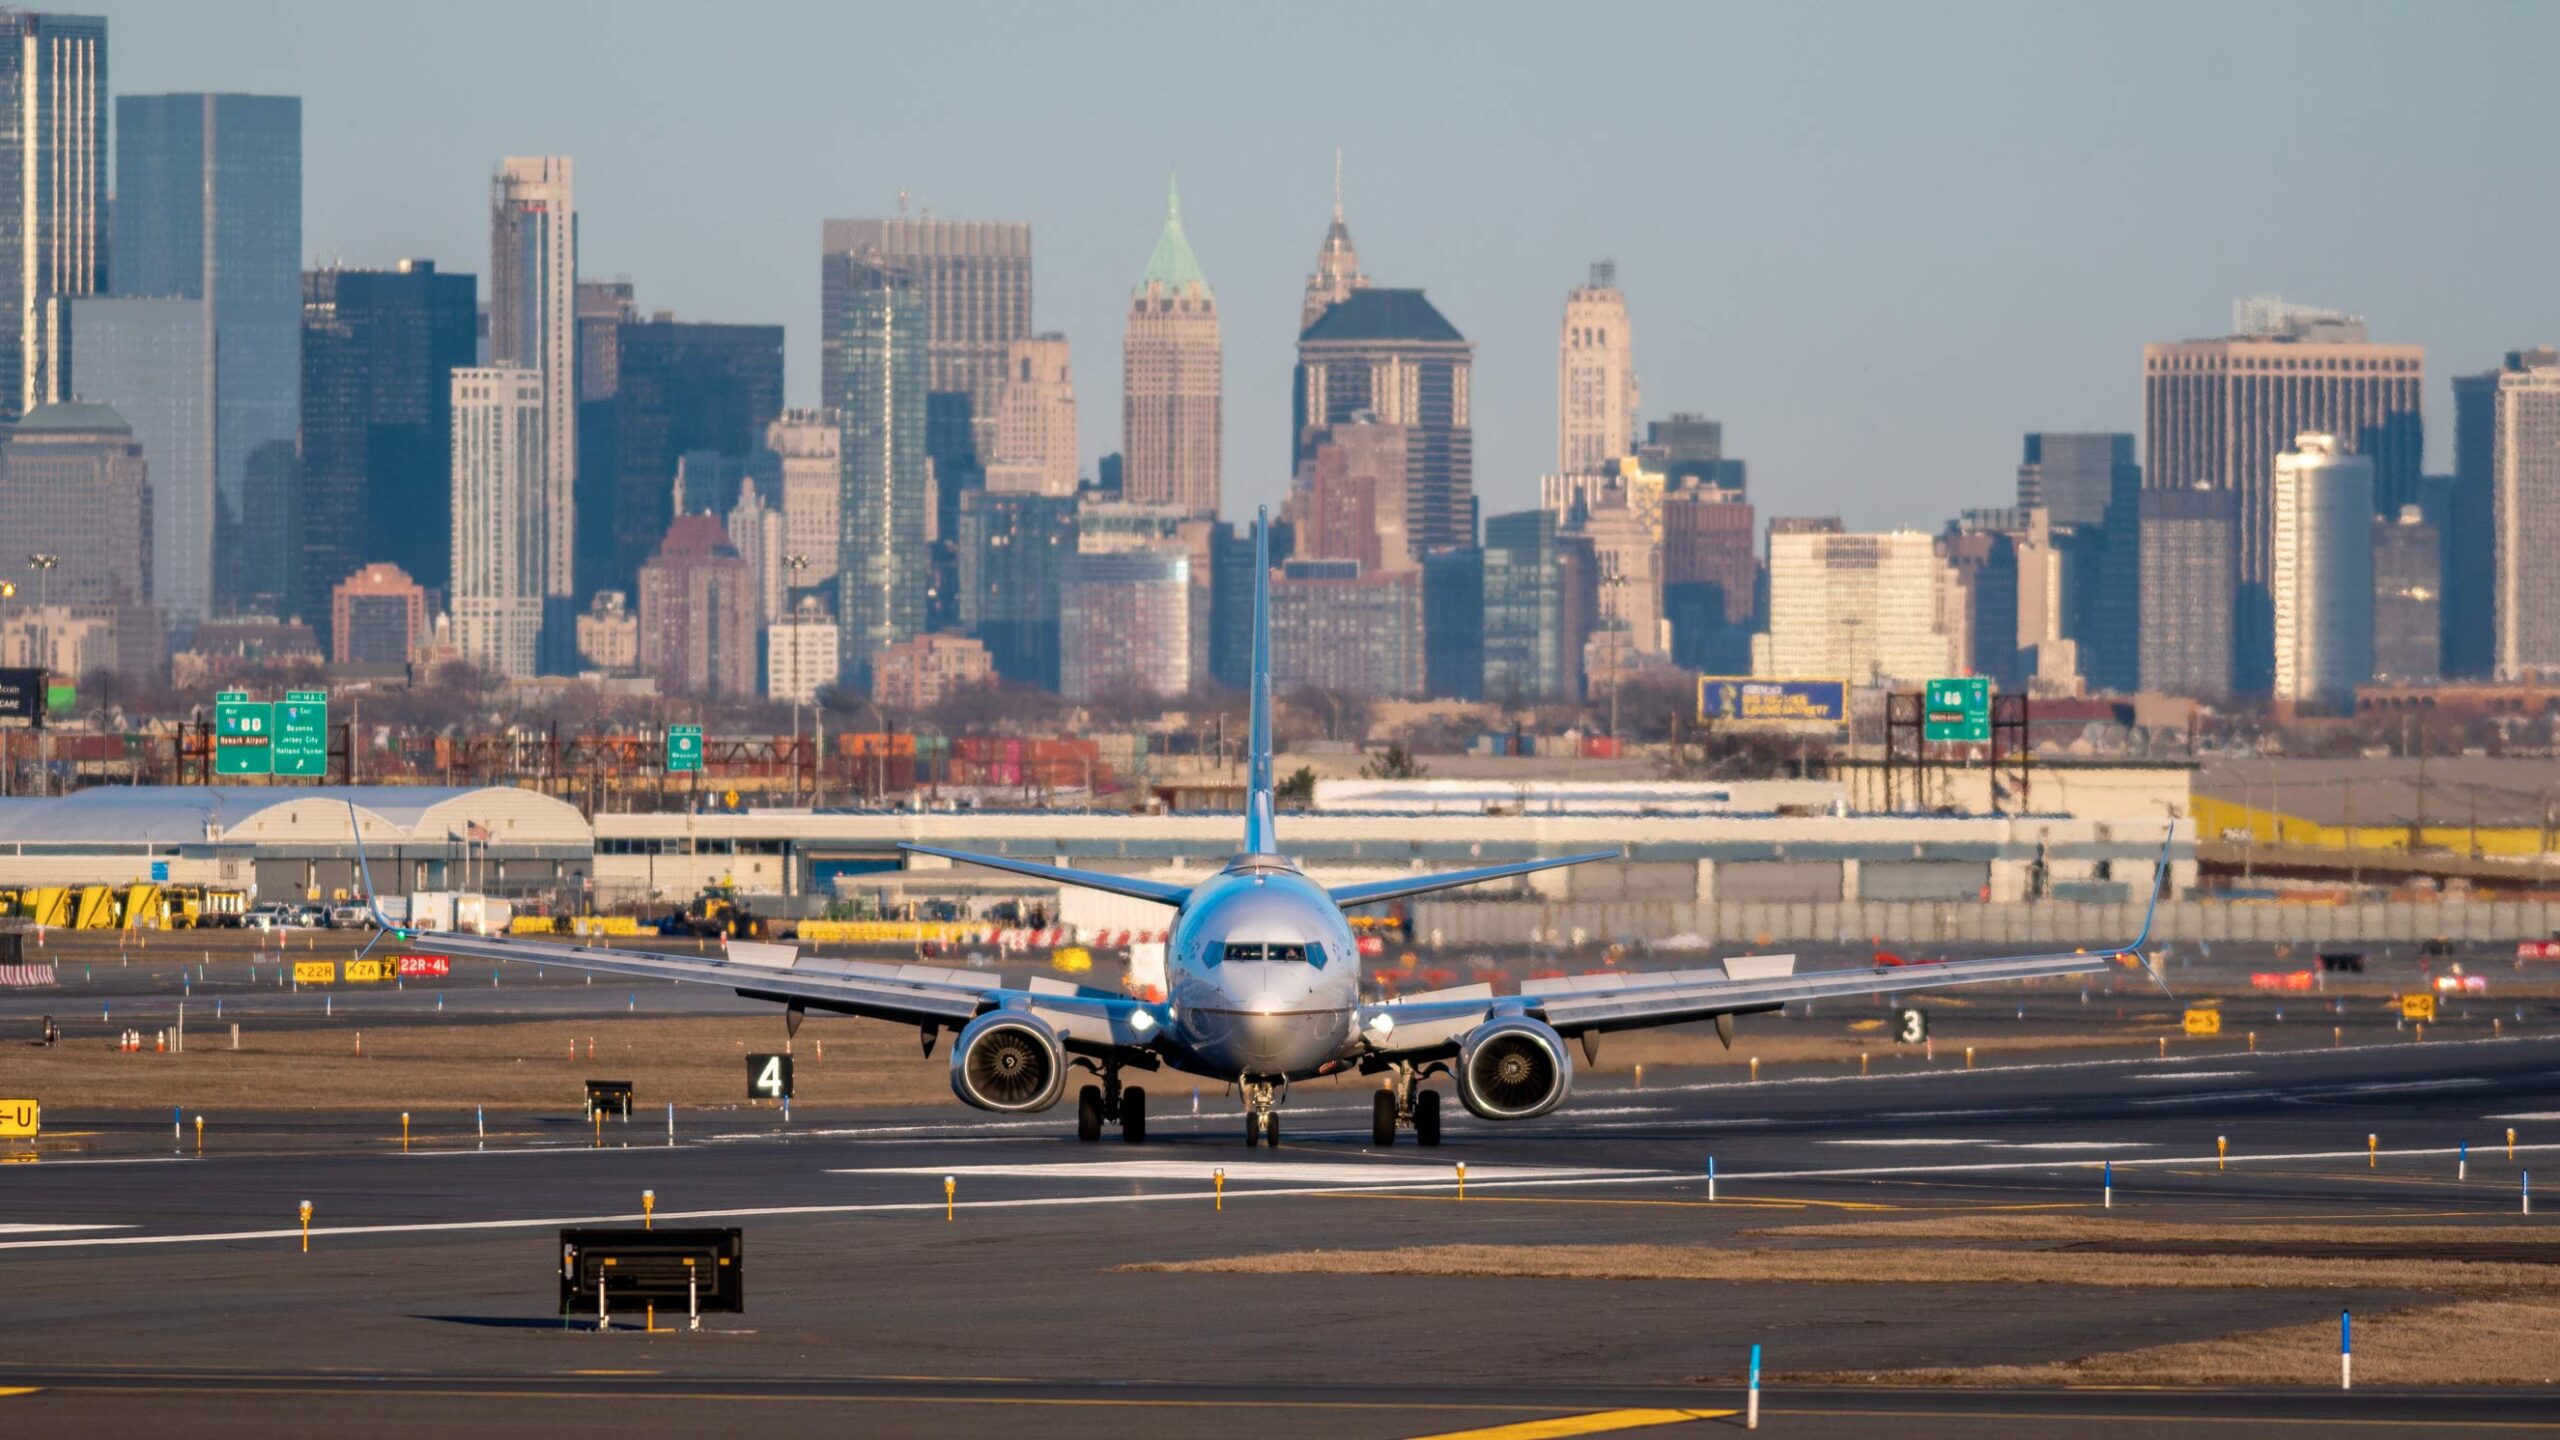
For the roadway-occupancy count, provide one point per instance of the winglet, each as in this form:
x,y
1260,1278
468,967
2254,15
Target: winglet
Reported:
x,y
2159,884
1258,799
382,925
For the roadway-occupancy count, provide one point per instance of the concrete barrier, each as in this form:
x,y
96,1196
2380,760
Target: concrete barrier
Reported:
x,y
1917,923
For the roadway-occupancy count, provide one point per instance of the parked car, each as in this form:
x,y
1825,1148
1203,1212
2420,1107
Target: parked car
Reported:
x,y
351,917
268,917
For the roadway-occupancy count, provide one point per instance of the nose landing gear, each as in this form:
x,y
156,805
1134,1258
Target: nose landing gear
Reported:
x,y
1261,1122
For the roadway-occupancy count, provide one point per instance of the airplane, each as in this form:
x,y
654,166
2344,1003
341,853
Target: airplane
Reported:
x,y
1263,987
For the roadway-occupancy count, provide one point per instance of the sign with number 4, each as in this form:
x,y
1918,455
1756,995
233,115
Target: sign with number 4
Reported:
x,y
768,1077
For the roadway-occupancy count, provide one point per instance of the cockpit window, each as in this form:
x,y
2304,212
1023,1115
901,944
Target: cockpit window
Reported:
x,y
1285,950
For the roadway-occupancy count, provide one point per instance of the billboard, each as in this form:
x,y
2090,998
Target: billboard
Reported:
x,y
22,695
1765,700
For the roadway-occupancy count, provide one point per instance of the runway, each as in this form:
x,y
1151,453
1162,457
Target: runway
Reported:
x,y
138,1274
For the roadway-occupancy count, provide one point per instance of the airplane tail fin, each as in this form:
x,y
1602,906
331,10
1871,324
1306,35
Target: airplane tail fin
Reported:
x,y
382,926
2159,885
1258,800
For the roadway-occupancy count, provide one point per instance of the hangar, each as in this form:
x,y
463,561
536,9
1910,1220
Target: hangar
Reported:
x,y
294,843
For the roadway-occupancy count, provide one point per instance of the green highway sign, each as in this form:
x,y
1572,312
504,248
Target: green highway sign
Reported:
x,y
243,734
1958,711
302,734
684,747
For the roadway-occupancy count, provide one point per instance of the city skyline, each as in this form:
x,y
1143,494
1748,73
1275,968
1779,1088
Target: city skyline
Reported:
x,y
1497,212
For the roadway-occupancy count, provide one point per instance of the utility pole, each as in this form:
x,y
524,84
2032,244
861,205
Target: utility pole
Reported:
x,y
43,564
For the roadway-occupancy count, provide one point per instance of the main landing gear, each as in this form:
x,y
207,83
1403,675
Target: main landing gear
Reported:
x,y
1096,1104
1406,1103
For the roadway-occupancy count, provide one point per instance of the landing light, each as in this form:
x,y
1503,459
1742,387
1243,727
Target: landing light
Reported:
x,y
1141,1021
1382,1024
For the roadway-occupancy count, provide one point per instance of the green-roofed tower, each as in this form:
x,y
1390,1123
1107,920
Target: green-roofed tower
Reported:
x,y
1171,385
1173,266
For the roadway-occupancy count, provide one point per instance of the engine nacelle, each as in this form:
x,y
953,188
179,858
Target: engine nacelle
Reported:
x,y
1512,1069
1008,1061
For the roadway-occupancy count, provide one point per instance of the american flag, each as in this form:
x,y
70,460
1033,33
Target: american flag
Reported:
x,y
474,830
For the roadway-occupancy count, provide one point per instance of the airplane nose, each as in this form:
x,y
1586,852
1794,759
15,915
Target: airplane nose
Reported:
x,y
1284,1040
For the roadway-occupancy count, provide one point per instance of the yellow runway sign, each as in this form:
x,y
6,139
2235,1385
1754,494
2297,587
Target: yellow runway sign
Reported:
x,y
2421,1006
2203,1021
314,972
20,1119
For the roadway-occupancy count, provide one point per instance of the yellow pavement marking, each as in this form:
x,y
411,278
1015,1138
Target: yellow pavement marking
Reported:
x,y
1764,1203
8,1390
1598,1422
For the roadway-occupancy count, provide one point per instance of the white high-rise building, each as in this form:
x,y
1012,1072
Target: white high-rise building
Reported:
x,y
533,323
2320,564
800,657
1595,376
756,529
1171,379
811,444
1035,447
498,522
1861,608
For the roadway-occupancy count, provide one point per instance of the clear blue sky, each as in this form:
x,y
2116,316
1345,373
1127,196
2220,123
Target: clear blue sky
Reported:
x,y
1877,241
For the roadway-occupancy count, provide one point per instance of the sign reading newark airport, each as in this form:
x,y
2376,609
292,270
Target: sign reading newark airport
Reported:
x,y
1748,700
243,734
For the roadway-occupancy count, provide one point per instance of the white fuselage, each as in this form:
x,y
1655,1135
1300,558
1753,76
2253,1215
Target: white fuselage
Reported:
x,y
1263,976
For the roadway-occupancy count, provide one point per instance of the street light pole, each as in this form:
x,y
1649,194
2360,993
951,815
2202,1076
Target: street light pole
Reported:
x,y
43,564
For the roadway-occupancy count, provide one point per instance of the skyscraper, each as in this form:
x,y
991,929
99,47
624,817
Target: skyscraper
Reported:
x,y
379,348
1035,444
53,186
1860,607
1389,354
1333,628
1710,577
378,617
209,209
973,280
499,531
152,359
2075,478
698,613
2507,459
2408,598
2320,573
810,444
74,484
680,388
2188,556
873,351
533,300
1013,552
1349,501
1124,625
1595,376
1171,378
1337,271
2217,413
1532,642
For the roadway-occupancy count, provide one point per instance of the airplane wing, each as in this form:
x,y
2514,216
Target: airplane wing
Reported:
x,y
921,995
1432,1022
1371,892
1159,891
932,997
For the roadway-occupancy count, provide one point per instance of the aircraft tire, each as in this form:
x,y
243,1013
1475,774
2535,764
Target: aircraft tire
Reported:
x,y
1133,1115
1271,1130
1426,1118
1089,1114
1252,1129
1382,1119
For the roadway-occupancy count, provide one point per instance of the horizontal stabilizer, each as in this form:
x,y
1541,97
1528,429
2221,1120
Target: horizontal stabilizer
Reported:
x,y
1159,891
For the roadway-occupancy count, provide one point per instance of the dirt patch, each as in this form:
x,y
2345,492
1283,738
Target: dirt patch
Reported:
x,y
2503,1341
2169,1237
1882,1266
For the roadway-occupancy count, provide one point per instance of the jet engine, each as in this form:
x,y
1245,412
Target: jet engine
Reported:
x,y
1010,1062
1512,1069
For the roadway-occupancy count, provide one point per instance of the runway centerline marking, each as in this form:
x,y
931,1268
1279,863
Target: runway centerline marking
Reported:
x,y
1598,1422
